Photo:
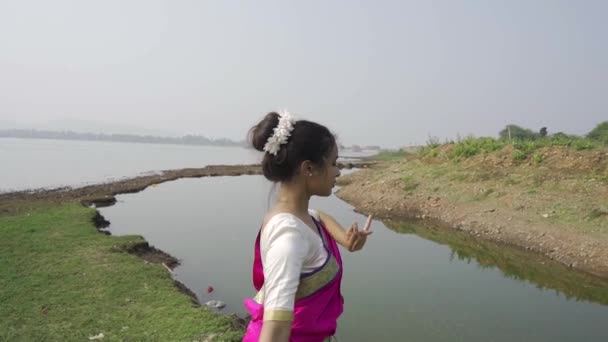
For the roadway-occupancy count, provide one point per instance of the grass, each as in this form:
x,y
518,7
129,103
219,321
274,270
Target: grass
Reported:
x,y
61,280
390,155
535,185
522,149
409,183
596,213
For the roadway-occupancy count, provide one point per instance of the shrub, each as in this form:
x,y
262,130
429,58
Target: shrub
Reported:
x,y
599,133
519,155
517,133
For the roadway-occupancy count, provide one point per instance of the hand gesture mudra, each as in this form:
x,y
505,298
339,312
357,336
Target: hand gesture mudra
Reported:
x,y
356,238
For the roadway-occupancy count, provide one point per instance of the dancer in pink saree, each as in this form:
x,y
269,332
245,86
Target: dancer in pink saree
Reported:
x,y
318,301
297,267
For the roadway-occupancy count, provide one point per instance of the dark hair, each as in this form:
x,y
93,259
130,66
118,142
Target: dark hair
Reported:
x,y
308,141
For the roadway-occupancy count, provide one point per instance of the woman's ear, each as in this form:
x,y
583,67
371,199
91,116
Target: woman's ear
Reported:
x,y
306,168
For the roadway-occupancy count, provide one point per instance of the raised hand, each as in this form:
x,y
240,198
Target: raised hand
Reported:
x,y
356,238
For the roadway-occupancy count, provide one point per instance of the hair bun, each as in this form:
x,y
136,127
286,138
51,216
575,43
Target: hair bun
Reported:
x,y
259,134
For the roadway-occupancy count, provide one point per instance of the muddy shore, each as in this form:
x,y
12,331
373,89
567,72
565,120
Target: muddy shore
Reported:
x,y
379,191
103,193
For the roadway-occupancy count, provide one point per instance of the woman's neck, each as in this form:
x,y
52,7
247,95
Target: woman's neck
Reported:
x,y
293,197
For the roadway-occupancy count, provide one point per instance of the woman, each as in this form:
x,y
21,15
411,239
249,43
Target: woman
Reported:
x,y
297,268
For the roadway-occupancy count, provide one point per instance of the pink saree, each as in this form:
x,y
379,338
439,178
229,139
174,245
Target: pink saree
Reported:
x,y
318,301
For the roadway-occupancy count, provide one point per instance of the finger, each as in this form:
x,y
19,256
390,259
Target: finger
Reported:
x,y
368,224
355,245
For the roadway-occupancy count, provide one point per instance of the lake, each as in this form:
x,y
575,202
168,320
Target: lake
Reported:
x,y
44,163
410,283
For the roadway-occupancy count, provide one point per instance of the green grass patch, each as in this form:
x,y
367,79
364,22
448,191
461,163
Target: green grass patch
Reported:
x,y
472,146
597,213
61,280
409,183
438,171
522,149
429,152
390,155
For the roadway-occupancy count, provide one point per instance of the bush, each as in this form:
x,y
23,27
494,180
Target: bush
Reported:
x,y
519,155
599,133
431,152
517,133
472,146
524,143
584,144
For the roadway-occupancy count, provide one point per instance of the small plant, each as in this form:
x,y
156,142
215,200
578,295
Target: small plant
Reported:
x,y
537,158
583,144
430,152
409,183
470,146
519,155
596,213
433,141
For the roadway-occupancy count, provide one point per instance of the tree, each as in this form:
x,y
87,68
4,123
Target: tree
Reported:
x,y
515,132
600,133
543,132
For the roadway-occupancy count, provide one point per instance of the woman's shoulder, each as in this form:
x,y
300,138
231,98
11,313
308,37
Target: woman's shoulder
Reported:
x,y
280,222
314,213
286,218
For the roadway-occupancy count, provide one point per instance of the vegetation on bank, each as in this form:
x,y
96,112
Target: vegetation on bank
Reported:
x,y
131,138
61,280
524,144
523,178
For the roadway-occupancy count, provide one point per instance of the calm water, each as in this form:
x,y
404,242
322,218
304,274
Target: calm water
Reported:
x,y
410,283
44,163
37,163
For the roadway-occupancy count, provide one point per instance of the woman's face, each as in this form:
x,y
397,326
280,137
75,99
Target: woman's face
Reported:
x,y
323,179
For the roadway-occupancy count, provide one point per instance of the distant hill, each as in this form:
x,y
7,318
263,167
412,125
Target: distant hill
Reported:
x,y
152,139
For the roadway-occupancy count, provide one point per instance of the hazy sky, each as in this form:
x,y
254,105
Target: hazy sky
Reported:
x,y
375,72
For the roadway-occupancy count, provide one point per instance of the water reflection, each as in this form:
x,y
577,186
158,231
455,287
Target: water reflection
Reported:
x,y
512,262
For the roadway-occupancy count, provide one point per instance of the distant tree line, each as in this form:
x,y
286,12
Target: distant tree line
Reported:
x,y
514,132
151,139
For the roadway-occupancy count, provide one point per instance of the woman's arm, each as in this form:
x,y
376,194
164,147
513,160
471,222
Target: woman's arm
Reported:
x,y
352,239
334,228
275,331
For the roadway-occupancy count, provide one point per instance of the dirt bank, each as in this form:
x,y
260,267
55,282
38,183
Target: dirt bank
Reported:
x,y
557,208
103,194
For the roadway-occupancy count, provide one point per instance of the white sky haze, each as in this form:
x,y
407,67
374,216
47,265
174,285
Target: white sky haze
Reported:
x,y
375,72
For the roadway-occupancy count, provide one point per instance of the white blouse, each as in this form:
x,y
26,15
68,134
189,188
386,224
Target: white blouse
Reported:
x,y
289,247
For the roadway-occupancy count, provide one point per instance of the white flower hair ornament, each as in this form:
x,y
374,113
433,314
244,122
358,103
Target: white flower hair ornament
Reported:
x,y
281,133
